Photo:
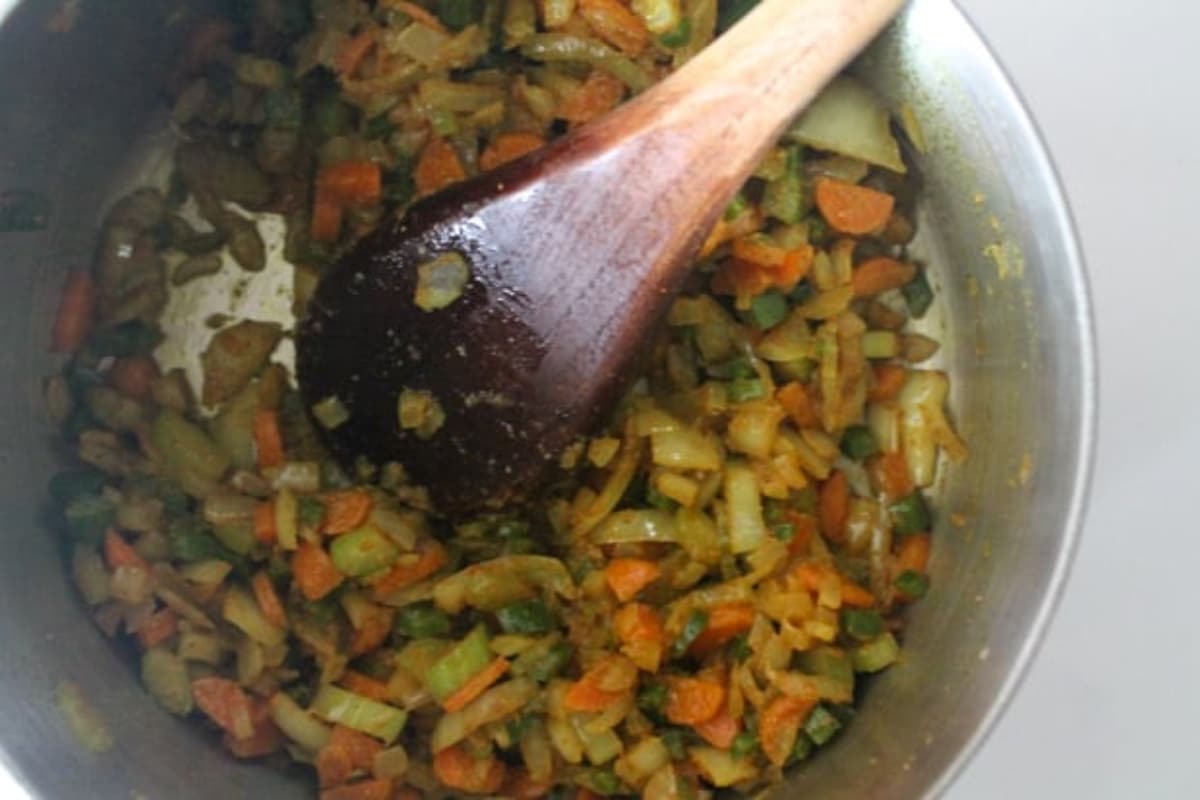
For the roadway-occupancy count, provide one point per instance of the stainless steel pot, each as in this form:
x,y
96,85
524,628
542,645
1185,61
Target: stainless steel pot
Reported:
x,y
1019,343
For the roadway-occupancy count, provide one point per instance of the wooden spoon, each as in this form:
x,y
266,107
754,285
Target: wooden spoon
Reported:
x,y
573,255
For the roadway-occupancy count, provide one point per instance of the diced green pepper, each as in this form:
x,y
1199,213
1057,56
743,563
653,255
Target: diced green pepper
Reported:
x,y
918,294
736,207
910,514
602,781
913,585
363,552
768,310
784,531
740,649
739,367
554,662
744,744
858,443
309,511
73,483
821,725
681,35
464,660
192,540
458,14
802,749
742,390
371,717
876,654
652,700
88,516
862,624
527,616
695,625
422,621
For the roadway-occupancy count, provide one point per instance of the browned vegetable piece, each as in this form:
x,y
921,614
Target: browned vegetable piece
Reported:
x,y
225,173
234,356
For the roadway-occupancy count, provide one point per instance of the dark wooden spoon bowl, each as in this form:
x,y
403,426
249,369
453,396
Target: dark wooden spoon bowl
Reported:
x,y
574,254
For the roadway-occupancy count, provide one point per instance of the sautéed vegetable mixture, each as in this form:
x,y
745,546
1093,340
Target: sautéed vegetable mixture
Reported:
x,y
692,602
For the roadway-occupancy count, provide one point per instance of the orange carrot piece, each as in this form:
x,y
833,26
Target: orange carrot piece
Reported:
x,y
119,553
264,522
268,440
724,623
345,510
856,596
418,14
365,685
759,251
585,793
811,575
314,571
794,400
224,702
476,685
352,183
616,24
638,622
268,599
264,739
693,701
833,504
509,147
914,553
132,376
326,223
522,786
795,266
889,475
742,279
76,310
599,94
437,167
158,627
628,576
720,731
585,695
431,557
370,789
852,209
881,274
779,724
353,52
456,769
372,633
889,380
346,752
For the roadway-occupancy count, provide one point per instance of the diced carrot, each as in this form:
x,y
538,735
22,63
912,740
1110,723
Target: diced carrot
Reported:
x,y
132,376
346,753
720,731
638,622
365,685
418,14
456,769
326,223
158,627
804,528
795,266
585,793
265,738
431,557
76,310
408,794
224,702
598,95
811,575
724,623
584,695
264,522
476,685
522,786
119,553
268,440
856,596
437,167
345,510
509,147
370,789
742,279
759,250
314,571
794,400
352,184
628,576
353,52
889,475
881,274
833,504
852,209
333,766
616,24
914,553
889,380
372,633
693,701
268,599
779,724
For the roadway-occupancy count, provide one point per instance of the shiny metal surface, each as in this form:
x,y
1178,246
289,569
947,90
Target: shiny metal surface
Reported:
x,y
1015,320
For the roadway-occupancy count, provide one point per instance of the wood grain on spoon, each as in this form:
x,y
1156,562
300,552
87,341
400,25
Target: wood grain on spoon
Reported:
x,y
574,253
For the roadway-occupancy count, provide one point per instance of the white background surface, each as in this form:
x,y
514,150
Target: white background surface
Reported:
x,y
1111,707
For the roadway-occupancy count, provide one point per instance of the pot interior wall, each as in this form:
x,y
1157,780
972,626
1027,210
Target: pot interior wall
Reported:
x,y
1017,342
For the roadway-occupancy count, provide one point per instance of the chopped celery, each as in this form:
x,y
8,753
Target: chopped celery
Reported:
x,y
527,616
876,654
695,625
603,782
821,725
371,717
858,443
555,47
861,624
784,196
744,744
297,724
910,514
166,678
550,663
520,22
918,295
363,552
742,390
238,537
241,610
831,663
418,656
458,14
186,447
768,309
913,585
679,36
466,659
286,529
880,344
422,621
